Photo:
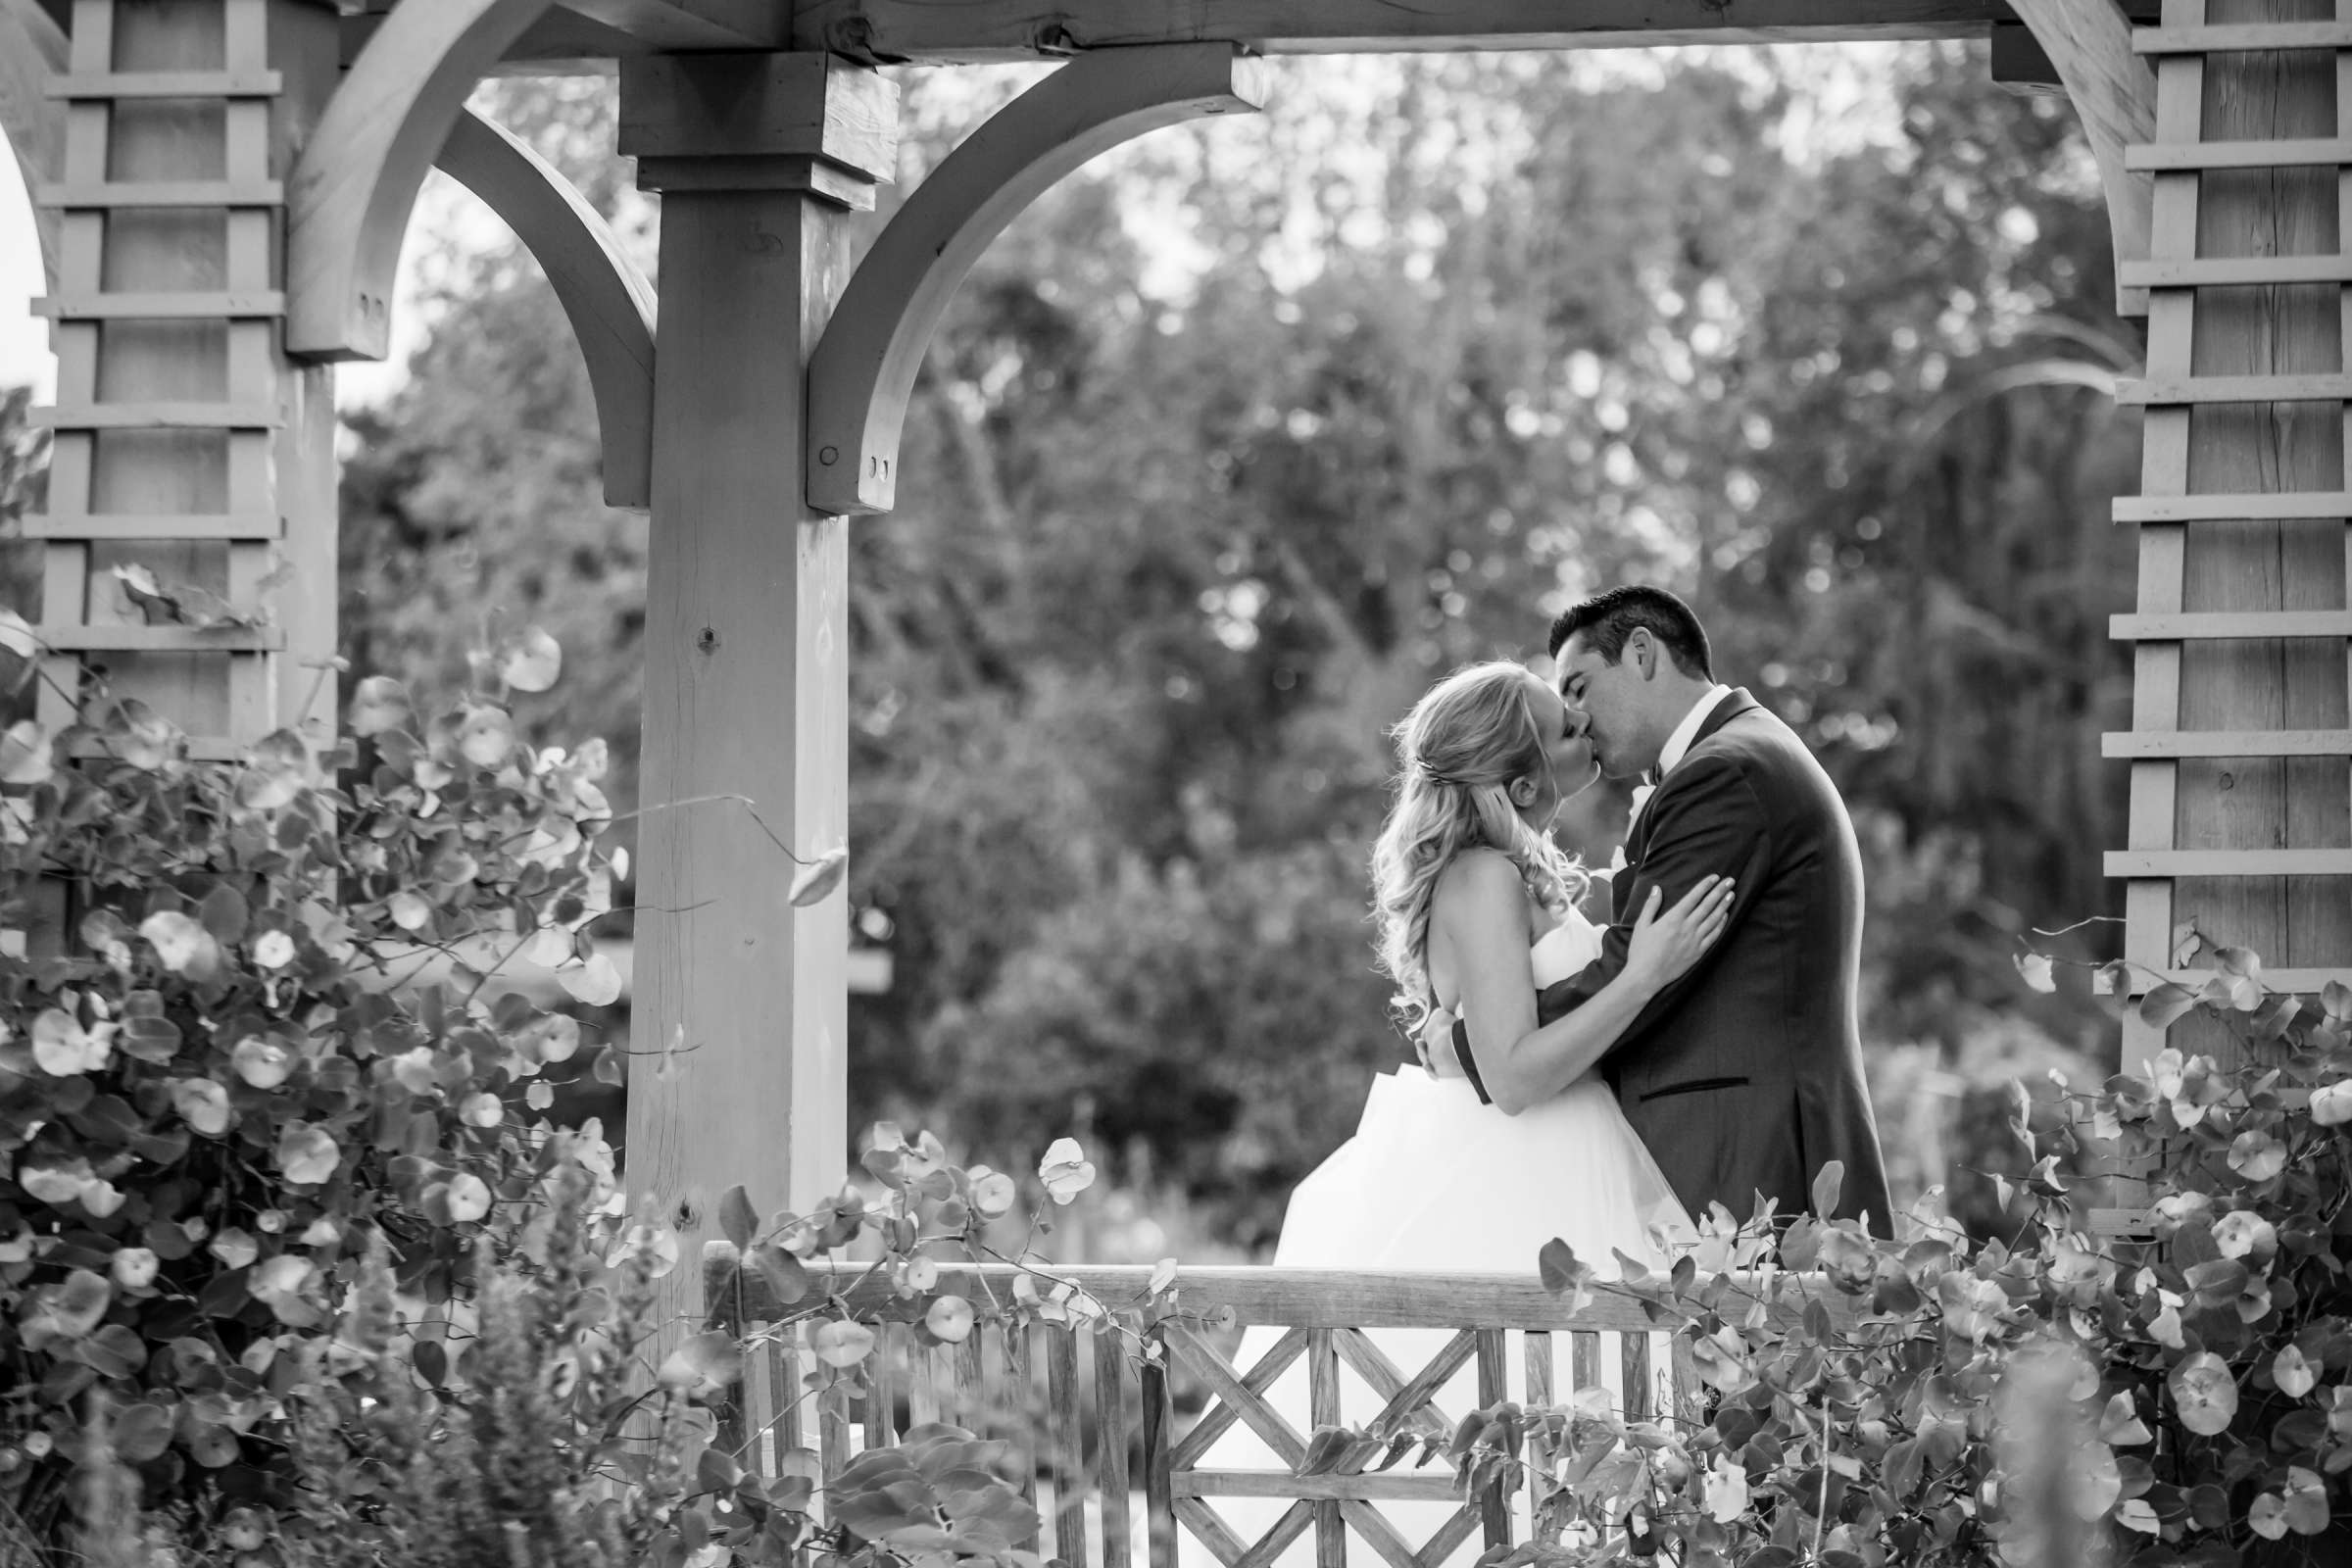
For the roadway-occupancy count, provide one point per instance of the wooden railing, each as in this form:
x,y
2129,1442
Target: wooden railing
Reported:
x,y
1104,1429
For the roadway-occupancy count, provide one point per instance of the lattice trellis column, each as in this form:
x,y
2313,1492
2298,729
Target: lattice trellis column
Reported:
x,y
2241,795
185,442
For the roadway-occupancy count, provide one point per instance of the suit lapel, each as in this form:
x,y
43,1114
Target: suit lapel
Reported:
x,y
1637,845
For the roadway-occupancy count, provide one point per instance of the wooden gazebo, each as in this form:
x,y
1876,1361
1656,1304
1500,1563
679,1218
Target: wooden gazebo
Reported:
x,y
224,185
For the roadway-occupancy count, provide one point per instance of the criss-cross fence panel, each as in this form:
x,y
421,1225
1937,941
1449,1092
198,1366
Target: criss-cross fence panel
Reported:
x,y
1199,1452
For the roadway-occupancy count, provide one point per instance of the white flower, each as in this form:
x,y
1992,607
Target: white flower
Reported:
x,y
202,1103
262,1063
180,945
308,1155
2332,1104
468,1197
134,1268
273,950
1066,1170
63,1048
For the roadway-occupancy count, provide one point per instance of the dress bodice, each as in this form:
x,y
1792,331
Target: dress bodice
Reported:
x,y
1565,948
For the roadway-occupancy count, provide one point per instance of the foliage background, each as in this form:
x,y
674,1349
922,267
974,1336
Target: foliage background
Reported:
x,y
1245,434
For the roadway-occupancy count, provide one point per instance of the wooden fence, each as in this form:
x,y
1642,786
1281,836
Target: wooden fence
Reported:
x,y
1102,1427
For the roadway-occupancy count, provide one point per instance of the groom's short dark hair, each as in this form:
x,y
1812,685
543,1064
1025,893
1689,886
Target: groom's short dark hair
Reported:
x,y
1608,620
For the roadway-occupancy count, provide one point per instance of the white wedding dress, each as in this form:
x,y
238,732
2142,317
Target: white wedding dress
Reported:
x,y
1436,1181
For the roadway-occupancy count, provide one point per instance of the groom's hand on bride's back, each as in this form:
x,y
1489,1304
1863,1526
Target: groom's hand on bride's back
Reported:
x,y
1435,1044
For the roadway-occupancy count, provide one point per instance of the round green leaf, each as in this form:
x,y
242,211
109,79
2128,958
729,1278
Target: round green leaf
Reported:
x,y
2204,1394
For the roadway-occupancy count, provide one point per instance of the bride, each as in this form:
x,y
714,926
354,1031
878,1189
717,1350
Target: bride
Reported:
x,y
1477,911
1471,1166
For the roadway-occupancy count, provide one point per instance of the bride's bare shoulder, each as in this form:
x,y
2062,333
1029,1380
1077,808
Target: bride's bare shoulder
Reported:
x,y
1479,879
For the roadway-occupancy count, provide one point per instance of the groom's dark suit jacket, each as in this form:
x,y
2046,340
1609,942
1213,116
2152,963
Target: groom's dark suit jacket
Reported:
x,y
1744,1076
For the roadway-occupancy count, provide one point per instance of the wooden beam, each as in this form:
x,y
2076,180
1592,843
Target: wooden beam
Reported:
x,y
349,199
2254,506
32,55
1302,1297
2149,743
588,36
692,24
864,369
941,32
676,109
2241,625
559,42
2089,42
604,297
746,694
2229,862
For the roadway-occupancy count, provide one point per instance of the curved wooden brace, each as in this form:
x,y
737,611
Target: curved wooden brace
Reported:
x,y
2113,89
349,197
864,370
32,50
606,297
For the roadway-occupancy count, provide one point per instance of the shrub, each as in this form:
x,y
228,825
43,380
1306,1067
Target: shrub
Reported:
x,y
216,1098
2208,1358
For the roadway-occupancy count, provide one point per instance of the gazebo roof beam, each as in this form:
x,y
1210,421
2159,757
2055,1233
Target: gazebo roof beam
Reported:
x,y
930,31
583,34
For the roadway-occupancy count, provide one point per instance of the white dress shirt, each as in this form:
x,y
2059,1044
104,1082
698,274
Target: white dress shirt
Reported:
x,y
1678,745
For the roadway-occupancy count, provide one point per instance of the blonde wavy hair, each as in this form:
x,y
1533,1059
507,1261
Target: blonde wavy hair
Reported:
x,y
1458,750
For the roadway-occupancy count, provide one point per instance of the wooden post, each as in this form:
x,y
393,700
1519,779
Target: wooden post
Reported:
x,y
761,160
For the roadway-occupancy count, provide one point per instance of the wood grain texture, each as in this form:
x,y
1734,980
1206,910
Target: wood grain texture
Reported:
x,y
1067,1444
1308,1299
1159,1420
864,369
2227,743
1111,1435
2286,339
2319,387
2264,505
1387,1486
159,526
2164,475
349,193
608,301
2245,36
690,23
2230,863
2232,626
2089,43
32,59
761,106
2246,152
224,305
2288,982
883,32
109,84
745,695
2228,269
113,193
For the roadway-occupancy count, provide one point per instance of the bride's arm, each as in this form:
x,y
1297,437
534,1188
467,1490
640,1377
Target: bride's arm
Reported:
x,y
1480,915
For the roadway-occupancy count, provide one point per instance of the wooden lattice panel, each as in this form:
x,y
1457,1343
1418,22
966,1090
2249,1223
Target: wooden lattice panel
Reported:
x,y
182,439
2239,742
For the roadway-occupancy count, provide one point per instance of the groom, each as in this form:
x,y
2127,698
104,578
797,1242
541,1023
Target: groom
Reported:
x,y
1744,1076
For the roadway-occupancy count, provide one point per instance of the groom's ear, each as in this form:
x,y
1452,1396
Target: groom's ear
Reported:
x,y
1642,649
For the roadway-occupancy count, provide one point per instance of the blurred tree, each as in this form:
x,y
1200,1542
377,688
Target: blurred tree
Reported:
x,y
1241,437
